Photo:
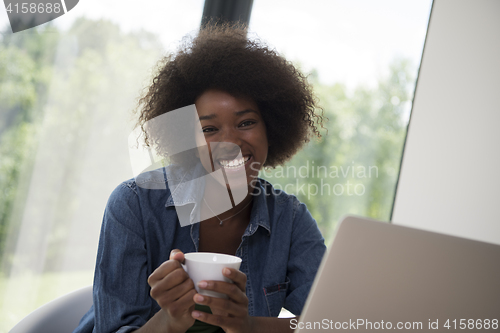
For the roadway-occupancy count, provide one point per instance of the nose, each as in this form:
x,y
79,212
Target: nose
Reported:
x,y
228,145
231,135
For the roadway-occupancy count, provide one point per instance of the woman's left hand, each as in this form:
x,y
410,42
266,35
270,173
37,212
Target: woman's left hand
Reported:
x,y
230,314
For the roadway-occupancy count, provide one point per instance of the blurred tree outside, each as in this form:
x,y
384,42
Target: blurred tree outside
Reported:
x,y
61,90
64,94
353,169
25,71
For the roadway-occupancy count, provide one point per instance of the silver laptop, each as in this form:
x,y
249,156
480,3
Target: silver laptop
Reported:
x,y
378,276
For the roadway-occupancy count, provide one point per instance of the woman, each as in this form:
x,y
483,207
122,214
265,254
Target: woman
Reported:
x,y
246,96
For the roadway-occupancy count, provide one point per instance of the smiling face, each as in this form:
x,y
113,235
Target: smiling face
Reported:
x,y
229,122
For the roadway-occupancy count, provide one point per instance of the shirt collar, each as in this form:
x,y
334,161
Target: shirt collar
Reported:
x,y
260,212
192,193
188,185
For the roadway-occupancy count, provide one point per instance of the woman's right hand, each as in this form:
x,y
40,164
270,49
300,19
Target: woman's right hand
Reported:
x,y
173,290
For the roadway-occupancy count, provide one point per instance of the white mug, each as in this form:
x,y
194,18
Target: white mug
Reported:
x,y
207,266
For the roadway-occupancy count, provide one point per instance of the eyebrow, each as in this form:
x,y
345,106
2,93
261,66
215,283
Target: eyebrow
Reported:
x,y
238,113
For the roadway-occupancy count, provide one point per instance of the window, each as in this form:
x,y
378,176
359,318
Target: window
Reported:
x,y
67,89
362,58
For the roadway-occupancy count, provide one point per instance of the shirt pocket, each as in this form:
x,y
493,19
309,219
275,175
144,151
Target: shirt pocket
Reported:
x,y
275,297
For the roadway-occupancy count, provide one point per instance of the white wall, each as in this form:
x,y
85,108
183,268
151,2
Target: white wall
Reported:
x,y
450,176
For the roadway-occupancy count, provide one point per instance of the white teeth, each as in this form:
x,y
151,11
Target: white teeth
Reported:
x,y
236,163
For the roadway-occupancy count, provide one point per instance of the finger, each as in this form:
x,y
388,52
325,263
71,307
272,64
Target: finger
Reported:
x,y
238,277
172,280
221,305
230,289
183,305
221,321
177,254
186,300
217,312
163,270
178,291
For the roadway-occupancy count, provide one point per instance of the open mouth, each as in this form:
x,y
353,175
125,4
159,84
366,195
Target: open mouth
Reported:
x,y
234,164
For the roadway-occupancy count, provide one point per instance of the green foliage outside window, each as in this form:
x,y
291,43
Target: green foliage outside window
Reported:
x,y
355,165
77,86
354,168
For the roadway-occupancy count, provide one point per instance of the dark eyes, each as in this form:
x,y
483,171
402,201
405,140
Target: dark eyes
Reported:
x,y
245,123
208,130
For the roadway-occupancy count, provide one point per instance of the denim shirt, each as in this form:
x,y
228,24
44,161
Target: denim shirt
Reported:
x,y
281,250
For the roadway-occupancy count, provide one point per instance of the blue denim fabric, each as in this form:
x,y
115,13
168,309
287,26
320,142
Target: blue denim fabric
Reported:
x,y
281,250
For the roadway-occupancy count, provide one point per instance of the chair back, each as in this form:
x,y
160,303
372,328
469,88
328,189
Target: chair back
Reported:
x,y
61,315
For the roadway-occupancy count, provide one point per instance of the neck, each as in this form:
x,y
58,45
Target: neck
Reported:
x,y
226,212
